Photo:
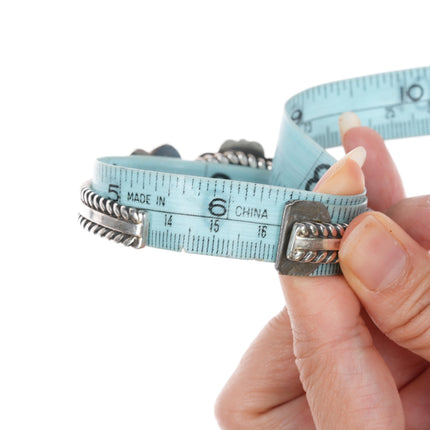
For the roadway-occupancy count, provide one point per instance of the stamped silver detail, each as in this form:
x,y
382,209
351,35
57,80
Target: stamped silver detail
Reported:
x,y
307,238
106,218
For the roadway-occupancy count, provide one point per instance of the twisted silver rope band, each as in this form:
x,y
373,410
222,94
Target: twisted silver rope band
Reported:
x,y
237,158
316,242
112,209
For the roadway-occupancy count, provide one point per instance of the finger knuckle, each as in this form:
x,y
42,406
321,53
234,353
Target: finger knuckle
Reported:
x,y
409,324
230,415
315,358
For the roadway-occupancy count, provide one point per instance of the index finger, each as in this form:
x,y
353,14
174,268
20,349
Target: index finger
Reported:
x,y
383,182
346,381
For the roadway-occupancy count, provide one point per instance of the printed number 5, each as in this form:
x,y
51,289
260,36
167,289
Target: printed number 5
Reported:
x,y
115,190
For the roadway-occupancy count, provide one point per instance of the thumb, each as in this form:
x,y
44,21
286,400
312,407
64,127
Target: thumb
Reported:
x,y
390,273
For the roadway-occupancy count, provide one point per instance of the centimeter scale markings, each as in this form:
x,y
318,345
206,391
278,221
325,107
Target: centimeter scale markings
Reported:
x,y
390,120
236,211
161,191
220,217
395,104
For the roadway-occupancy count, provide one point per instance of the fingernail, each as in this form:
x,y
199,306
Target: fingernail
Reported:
x,y
358,155
347,121
373,254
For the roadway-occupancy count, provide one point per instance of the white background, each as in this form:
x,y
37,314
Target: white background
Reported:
x,y
97,336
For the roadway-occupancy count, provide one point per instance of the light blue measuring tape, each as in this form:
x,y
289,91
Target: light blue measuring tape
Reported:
x,y
231,204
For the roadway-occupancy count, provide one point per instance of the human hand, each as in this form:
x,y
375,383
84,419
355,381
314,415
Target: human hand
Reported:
x,y
324,344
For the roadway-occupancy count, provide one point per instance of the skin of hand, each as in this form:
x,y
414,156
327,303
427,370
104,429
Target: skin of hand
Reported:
x,y
348,352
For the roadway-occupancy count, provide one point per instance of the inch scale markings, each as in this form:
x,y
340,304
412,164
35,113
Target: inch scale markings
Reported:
x,y
402,96
255,222
228,209
396,104
240,215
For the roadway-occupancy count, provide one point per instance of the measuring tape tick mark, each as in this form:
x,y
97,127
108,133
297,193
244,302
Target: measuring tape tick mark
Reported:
x,y
238,203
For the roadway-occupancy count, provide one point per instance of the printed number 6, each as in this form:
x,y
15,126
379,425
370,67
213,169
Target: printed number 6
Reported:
x,y
217,207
